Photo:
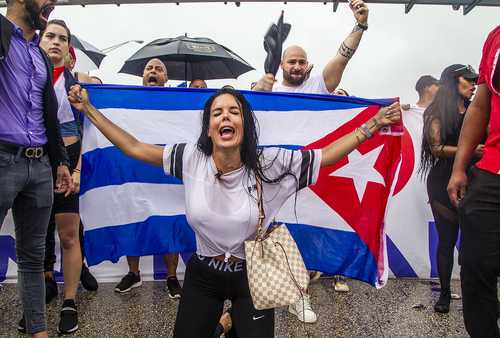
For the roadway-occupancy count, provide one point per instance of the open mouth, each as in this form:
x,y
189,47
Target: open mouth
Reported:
x,y
152,80
226,132
45,12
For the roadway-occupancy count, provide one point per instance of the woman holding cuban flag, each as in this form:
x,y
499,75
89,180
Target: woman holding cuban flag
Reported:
x,y
220,174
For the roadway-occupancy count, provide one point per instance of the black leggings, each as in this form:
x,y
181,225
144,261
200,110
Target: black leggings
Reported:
x,y
207,284
448,234
446,220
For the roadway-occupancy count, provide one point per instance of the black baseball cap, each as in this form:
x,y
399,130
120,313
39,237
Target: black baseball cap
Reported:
x,y
456,70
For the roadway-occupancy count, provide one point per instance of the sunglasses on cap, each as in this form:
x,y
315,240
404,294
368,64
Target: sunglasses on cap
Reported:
x,y
467,68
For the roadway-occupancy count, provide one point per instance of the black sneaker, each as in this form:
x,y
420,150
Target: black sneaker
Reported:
x,y
51,290
68,322
128,282
443,303
173,287
88,280
21,326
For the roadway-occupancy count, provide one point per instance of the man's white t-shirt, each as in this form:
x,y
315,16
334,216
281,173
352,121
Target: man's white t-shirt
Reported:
x,y
313,85
223,210
417,110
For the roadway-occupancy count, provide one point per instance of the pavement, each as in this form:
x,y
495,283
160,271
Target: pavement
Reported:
x,y
403,308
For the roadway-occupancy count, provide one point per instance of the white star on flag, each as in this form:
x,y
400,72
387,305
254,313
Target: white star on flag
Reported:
x,y
360,168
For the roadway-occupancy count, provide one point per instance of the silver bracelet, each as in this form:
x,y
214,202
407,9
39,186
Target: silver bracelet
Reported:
x,y
366,131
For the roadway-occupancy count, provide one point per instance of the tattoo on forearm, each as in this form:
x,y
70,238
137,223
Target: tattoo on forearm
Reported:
x,y
346,51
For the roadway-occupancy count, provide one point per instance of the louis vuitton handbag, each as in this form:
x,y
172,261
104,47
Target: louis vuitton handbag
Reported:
x,y
276,272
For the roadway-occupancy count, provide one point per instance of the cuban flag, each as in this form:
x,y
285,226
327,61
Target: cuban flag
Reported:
x,y
133,208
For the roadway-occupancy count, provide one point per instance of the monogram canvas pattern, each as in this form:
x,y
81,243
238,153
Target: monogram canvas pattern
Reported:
x,y
276,272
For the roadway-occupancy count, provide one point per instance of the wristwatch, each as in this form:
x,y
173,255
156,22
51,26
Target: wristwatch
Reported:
x,y
362,26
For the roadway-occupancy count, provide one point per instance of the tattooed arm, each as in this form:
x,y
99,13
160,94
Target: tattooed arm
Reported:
x,y
335,68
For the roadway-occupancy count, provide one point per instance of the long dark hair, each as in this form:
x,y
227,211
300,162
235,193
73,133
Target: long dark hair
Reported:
x,y
443,108
250,153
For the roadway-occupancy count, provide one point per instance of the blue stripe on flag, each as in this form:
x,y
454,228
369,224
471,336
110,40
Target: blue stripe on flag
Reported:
x,y
133,97
340,252
335,252
110,166
156,235
397,262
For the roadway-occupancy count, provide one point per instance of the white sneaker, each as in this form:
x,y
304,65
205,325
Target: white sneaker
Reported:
x,y
340,284
302,309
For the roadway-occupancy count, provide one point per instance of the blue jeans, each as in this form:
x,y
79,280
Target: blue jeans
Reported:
x,y
26,187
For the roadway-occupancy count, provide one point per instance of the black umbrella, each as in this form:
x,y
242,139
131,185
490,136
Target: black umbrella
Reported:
x,y
93,53
189,59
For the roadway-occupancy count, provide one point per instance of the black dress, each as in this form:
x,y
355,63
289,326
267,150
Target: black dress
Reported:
x,y
444,212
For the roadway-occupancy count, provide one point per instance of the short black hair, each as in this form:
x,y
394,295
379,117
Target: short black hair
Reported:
x,y
61,23
424,82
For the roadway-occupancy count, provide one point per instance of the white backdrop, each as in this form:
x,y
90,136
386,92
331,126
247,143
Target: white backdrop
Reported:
x,y
411,234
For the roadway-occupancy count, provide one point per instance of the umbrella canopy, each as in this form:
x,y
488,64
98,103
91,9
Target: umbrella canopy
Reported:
x,y
189,59
93,53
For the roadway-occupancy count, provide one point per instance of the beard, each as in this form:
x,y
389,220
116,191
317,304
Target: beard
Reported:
x,y
33,13
293,81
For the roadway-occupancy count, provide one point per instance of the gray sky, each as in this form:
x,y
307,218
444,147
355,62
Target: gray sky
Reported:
x,y
394,52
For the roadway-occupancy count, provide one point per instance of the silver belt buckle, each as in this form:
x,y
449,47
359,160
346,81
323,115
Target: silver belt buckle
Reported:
x,y
33,152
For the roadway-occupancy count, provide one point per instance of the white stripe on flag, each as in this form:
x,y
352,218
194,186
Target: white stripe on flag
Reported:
x,y
295,127
311,210
168,200
113,205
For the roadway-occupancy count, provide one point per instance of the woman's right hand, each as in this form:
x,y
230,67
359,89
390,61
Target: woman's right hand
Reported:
x,y
479,151
457,186
389,115
79,98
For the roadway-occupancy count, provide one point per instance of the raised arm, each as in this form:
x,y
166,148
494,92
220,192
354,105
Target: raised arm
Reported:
x,y
473,131
334,70
131,146
343,146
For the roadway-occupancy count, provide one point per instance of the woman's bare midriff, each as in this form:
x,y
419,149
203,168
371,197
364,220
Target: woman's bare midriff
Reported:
x,y
69,140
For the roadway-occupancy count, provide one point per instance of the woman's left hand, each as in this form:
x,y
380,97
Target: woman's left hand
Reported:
x,y
76,182
389,115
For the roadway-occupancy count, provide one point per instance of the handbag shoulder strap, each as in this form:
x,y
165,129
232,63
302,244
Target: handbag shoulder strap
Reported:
x,y
260,204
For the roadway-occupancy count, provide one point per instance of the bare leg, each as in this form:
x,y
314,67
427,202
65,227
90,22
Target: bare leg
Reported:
x,y
133,264
67,226
171,262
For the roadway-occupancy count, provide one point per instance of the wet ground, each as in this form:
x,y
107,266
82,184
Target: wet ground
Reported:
x,y
404,308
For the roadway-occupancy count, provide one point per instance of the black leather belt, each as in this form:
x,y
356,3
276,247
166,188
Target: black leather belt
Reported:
x,y
28,152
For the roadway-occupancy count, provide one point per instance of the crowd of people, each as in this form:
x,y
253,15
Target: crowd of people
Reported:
x,y
41,109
